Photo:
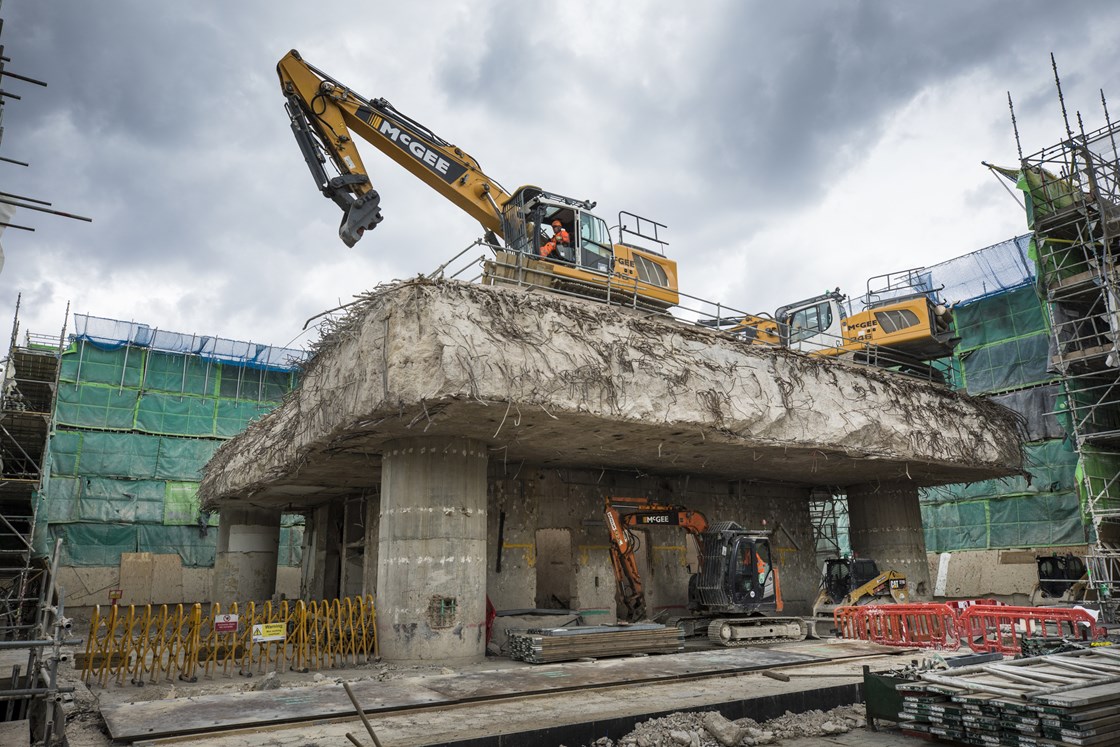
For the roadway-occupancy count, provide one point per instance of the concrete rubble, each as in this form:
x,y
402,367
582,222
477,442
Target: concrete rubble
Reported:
x,y
711,729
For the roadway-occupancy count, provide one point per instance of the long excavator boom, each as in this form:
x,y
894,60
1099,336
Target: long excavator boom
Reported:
x,y
326,118
325,113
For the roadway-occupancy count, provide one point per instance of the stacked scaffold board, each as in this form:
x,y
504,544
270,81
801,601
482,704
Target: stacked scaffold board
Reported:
x,y
547,645
1069,698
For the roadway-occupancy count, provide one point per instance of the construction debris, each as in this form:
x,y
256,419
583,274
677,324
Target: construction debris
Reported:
x,y
711,729
547,645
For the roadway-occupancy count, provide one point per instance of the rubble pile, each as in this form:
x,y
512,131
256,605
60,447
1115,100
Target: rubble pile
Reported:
x,y
710,729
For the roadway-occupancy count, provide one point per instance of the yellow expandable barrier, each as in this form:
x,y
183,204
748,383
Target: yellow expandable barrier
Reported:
x,y
154,643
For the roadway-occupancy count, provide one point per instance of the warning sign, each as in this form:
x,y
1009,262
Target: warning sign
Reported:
x,y
269,632
225,623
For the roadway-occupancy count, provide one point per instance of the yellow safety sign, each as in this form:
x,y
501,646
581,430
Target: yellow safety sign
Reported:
x,y
269,632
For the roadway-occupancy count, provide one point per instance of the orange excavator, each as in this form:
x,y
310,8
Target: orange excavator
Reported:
x,y
734,594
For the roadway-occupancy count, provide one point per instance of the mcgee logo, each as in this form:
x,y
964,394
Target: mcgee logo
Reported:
x,y
415,147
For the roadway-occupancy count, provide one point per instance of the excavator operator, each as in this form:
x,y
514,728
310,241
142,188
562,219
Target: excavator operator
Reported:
x,y
560,238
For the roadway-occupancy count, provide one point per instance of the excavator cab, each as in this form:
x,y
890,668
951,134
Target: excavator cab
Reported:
x,y
752,573
590,264
812,324
527,221
737,575
844,575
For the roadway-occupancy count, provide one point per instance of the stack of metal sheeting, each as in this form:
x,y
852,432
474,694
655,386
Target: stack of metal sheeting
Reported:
x,y
546,645
1068,698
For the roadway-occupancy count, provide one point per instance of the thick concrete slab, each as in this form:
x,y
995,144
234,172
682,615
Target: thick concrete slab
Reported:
x,y
556,381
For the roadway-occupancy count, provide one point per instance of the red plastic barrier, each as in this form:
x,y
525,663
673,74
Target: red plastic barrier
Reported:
x,y
850,623
909,625
1001,629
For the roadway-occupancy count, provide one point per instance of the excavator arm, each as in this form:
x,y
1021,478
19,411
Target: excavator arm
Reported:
x,y
624,544
326,115
626,575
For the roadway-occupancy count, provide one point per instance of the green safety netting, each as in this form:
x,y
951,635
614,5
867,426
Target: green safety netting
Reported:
x,y
94,544
1004,342
1010,512
133,428
131,388
291,543
998,318
90,364
95,406
134,455
110,408
1097,473
98,544
1001,522
955,526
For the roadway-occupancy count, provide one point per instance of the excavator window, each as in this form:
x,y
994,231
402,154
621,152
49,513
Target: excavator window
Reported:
x,y
595,246
650,272
894,320
810,322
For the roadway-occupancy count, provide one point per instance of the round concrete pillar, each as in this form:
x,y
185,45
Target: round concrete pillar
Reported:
x,y
248,548
431,554
886,526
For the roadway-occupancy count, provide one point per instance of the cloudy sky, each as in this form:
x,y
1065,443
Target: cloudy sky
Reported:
x,y
789,147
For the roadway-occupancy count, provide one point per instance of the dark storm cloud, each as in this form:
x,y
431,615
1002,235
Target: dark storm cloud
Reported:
x,y
153,123
797,90
778,96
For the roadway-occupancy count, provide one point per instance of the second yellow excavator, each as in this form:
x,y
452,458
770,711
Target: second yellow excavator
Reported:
x,y
902,326
541,238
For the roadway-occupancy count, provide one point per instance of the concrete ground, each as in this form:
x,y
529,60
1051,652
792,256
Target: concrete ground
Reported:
x,y
607,708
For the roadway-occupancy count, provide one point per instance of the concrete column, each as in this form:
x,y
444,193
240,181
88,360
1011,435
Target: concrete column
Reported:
x,y
248,546
373,531
886,525
431,564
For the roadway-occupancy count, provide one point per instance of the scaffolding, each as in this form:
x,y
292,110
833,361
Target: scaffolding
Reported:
x,y
1073,209
29,384
32,622
828,514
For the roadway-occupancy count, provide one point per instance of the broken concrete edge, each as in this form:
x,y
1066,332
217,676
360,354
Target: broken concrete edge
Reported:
x,y
509,318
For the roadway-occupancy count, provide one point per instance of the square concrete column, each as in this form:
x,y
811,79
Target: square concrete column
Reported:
x,y
886,526
431,559
248,550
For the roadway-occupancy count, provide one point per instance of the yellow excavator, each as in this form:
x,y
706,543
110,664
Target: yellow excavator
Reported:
x,y
540,238
902,326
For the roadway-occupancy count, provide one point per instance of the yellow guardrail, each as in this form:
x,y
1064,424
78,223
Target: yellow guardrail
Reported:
x,y
150,643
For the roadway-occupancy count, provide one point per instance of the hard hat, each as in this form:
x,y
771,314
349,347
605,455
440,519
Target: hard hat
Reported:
x,y
557,223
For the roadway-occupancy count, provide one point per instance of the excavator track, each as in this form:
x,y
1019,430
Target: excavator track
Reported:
x,y
754,631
